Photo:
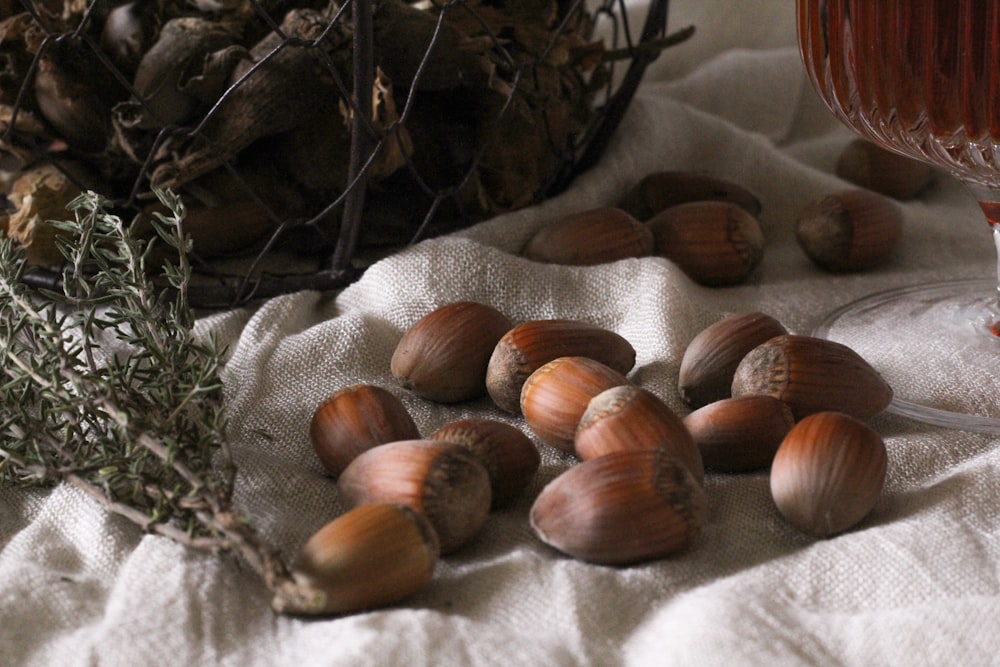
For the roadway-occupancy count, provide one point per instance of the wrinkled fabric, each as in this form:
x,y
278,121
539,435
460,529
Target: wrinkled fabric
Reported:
x,y
916,583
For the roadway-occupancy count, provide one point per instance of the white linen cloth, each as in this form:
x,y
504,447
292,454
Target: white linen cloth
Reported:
x,y
917,583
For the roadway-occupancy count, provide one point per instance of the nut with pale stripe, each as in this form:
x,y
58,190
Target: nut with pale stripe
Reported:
x,y
554,397
444,481
530,345
812,375
828,473
711,358
372,556
625,507
630,417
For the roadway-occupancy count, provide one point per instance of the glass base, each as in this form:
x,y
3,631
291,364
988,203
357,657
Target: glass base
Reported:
x,y
933,344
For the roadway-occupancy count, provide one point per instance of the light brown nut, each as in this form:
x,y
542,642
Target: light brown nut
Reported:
x,y
590,237
739,434
626,507
828,473
530,345
714,243
443,357
851,230
812,375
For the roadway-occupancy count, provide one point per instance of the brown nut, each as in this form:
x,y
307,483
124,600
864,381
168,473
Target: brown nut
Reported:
x,y
850,230
869,165
812,375
661,190
625,507
591,237
530,345
739,434
630,417
711,358
556,395
714,243
372,556
828,473
508,455
355,419
443,357
444,481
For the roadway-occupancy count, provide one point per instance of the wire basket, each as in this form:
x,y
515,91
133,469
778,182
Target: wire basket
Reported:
x,y
307,128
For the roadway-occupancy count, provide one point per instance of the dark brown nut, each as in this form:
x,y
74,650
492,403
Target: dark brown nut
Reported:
x,y
869,165
711,358
444,481
661,190
554,397
625,507
444,356
851,230
355,419
828,473
740,434
508,455
373,556
630,417
530,345
714,243
813,375
591,237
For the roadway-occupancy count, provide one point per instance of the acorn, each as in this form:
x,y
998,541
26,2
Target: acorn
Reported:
x,y
443,357
596,236
664,189
630,417
355,419
812,375
851,230
715,243
530,345
444,481
869,165
711,358
739,434
509,456
625,507
372,556
554,397
828,473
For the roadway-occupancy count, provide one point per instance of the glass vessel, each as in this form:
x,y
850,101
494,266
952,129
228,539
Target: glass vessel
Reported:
x,y
921,77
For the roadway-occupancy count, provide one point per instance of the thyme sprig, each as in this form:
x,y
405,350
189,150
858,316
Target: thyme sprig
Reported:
x,y
106,387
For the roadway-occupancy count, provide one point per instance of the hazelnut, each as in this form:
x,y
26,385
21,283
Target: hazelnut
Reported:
x,y
661,190
849,231
591,237
739,434
869,165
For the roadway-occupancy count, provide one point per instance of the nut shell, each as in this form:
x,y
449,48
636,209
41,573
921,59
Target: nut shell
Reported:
x,y
664,189
630,417
530,345
444,481
886,172
739,434
714,243
556,395
355,419
443,357
850,231
711,358
828,473
625,507
509,456
591,237
372,556
812,375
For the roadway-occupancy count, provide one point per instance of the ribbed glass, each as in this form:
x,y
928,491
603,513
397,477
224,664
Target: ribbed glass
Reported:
x,y
919,76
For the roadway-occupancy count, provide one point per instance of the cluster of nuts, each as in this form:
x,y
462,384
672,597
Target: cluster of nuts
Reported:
x,y
760,398
709,226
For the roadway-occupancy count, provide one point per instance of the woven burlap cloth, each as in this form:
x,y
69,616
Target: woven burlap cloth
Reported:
x,y
917,583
